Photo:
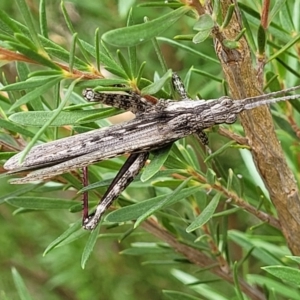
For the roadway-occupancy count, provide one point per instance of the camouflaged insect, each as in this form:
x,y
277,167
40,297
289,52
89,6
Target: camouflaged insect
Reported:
x,y
154,127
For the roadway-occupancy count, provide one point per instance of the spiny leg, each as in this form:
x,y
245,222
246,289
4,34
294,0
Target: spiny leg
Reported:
x,y
129,170
132,102
203,138
85,200
179,86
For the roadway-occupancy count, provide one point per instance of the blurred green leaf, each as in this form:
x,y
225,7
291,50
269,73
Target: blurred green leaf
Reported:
x,y
89,247
174,295
206,215
38,118
157,85
134,35
36,92
134,211
291,275
73,228
15,128
205,22
40,203
156,163
20,285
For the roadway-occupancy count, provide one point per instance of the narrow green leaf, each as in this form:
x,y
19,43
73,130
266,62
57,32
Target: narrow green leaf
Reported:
x,y
132,50
145,251
73,31
10,26
206,214
239,293
26,41
74,236
205,22
24,9
34,56
284,48
211,176
261,40
294,258
174,295
286,18
226,212
23,71
124,64
161,58
246,242
65,55
17,192
160,156
35,93
116,71
72,52
30,83
240,35
160,4
291,275
101,82
206,75
140,73
188,49
201,36
219,151
293,70
15,128
88,249
229,180
228,16
97,48
40,203
43,18
157,85
248,33
169,199
42,74
74,227
6,156
20,285
231,44
134,35
275,9
132,212
38,118
283,289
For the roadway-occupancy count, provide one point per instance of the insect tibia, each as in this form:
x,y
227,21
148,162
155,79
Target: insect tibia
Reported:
x,y
133,102
179,86
129,170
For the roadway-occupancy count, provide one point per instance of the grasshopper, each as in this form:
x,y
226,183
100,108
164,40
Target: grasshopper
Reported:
x,y
155,126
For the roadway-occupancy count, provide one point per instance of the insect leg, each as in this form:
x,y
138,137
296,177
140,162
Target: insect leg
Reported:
x,y
133,102
85,200
179,86
202,137
126,174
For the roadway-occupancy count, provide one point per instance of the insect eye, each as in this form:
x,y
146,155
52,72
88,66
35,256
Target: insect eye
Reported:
x,y
88,94
226,102
231,118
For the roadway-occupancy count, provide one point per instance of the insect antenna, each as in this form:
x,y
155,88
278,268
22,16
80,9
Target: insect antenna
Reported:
x,y
256,101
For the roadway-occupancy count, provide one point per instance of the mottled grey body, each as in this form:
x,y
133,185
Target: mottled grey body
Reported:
x,y
154,127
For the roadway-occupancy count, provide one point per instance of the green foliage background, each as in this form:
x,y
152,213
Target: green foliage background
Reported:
x,y
146,265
